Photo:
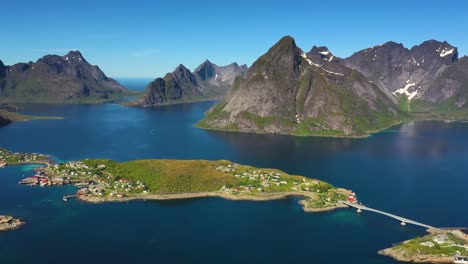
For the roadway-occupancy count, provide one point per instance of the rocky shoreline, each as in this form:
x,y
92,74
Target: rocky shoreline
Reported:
x,y
245,197
10,223
427,249
400,256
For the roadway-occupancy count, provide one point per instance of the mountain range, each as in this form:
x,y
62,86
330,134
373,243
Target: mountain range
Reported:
x,y
290,91
208,81
57,79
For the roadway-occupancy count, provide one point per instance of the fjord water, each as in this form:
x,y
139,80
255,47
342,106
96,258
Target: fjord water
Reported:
x,y
416,170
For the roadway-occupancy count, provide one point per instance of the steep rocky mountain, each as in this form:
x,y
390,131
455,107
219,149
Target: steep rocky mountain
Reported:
x,y
208,81
54,78
406,73
219,76
179,85
292,92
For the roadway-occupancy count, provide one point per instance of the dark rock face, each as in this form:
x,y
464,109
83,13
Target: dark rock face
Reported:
x,y
289,91
208,81
205,71
56,79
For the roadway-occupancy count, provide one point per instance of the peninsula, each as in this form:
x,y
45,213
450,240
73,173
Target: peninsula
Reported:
x,y
7,117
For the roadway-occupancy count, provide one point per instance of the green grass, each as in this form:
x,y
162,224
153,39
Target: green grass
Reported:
x,y
170,176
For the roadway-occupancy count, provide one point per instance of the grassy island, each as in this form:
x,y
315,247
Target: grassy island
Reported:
x,y
439,246
106,180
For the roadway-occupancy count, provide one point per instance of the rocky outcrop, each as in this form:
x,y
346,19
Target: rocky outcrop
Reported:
x,y
10,223
56,78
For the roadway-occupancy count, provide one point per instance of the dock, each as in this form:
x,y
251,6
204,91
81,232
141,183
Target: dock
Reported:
x,y
66,197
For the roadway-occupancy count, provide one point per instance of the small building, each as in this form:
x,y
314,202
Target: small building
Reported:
x,y
352,199
441,239
460,259
2,164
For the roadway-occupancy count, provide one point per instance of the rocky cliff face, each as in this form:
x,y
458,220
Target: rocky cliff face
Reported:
x,y
208,81
292,92
56,79
405,73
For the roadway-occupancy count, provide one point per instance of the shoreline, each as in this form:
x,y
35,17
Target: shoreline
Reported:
x,y
257,198
367,135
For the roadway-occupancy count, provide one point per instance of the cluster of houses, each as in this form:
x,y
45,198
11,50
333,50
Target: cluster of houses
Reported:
x,y
266,179
75,169
6,156
43,179
99,185
444,241
88,179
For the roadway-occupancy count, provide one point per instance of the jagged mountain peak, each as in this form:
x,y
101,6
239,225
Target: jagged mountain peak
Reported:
x,y
436,50
285,44
322,53
206,70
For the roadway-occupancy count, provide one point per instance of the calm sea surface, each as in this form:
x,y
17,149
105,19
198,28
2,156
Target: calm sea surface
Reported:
x,y
416,170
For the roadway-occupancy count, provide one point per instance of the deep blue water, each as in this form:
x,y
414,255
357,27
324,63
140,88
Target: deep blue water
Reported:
x,y
416,170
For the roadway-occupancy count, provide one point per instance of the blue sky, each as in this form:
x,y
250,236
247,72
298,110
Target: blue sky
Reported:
x,y
150,38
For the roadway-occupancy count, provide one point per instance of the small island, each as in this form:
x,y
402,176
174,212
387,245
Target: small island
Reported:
x,y
439,246
10,223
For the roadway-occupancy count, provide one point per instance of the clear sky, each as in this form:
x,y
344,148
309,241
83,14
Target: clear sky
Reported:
x,y
149,38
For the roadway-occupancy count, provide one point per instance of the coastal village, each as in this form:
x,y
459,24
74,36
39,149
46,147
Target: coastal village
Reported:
x,y
264,181
90,180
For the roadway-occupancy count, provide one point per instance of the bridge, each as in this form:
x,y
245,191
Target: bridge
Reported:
x,y
403,220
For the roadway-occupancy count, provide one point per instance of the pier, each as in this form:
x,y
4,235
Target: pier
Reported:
x,y
403,220
66,197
